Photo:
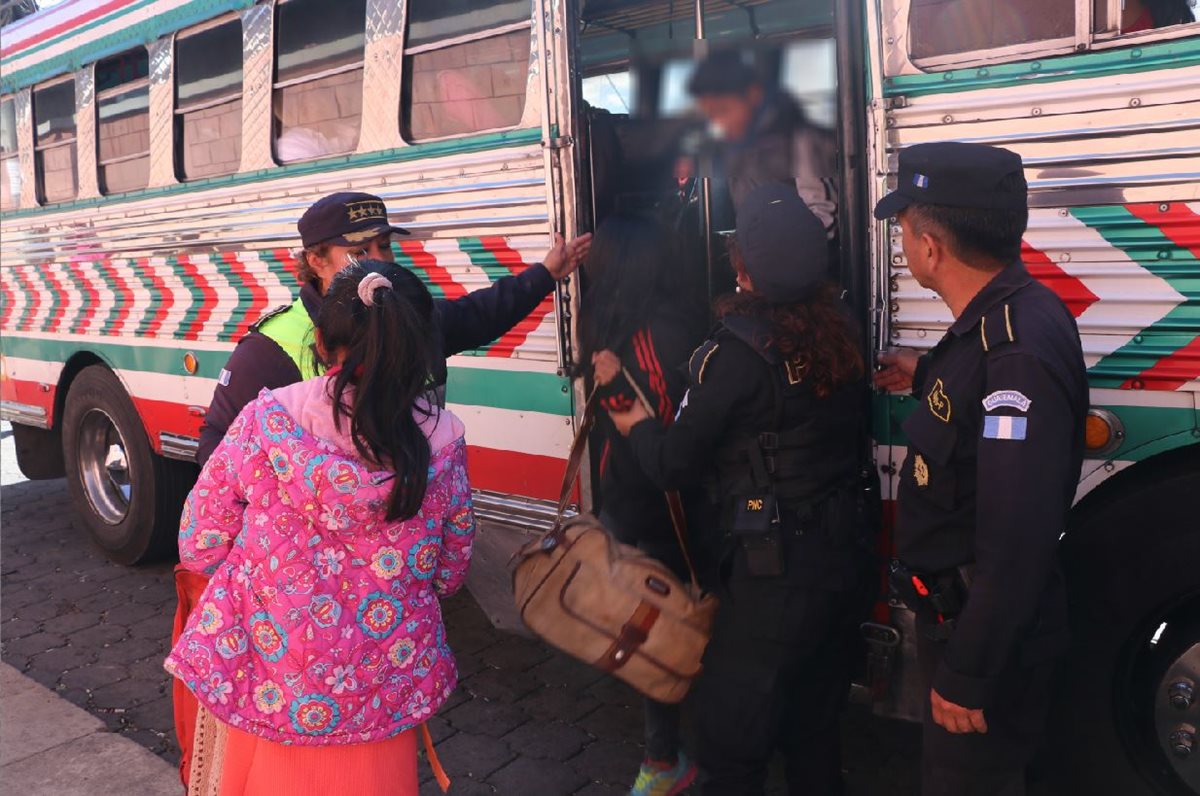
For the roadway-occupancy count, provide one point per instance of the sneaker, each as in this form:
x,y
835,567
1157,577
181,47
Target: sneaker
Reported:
x,y
654,780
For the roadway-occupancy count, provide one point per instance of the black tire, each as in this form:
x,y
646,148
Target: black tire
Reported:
x,y
132,517
1131,567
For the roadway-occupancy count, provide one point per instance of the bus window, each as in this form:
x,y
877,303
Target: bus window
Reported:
x,y
673,94
809,73
466,64
54,141
612,92
123,130
208,101
947,27
10,164
318,77
1138,16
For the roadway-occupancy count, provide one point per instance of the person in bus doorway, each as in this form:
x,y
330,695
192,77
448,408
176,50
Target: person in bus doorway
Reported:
x,y
995,449
773,428
331,518
765,137
336,231
633,306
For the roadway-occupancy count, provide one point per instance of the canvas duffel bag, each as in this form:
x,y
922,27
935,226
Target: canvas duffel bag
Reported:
x,y
609,604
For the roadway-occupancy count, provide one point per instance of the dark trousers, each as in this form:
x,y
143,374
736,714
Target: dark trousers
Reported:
x,y
662,720
994,763
776,677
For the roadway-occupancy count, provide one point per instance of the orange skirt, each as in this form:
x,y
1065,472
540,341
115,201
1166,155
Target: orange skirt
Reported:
x,y
253,766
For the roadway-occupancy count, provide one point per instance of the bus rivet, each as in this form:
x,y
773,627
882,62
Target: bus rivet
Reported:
x,y
1136,53
1135,103
1036,66
1164,208
947,119
1036,111
1137,338
984,73
948,76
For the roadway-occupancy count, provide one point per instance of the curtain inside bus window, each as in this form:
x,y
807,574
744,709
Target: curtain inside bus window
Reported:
x,y
55,164
466,67
10,164
208,101
318,77
947,27
123,128
809,73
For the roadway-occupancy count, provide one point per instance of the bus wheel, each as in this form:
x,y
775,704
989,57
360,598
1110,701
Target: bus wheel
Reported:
x,y
1127,712
128,498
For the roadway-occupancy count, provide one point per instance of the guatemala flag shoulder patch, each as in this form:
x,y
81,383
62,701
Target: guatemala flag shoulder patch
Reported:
x,y
1004,427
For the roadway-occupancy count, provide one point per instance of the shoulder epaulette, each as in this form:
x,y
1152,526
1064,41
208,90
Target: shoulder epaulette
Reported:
x,y
996,327
268,315
700,359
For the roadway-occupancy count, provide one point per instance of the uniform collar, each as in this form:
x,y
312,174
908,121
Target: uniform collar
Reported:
x,y
1009,280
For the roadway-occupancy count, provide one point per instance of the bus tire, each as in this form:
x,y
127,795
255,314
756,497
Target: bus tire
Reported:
x,y
1134,590
127,498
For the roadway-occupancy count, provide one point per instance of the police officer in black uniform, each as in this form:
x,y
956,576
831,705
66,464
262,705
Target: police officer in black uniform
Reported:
x,y
995,449
334,230
772,426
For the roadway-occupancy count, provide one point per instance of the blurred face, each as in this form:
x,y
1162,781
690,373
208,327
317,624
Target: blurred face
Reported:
x,y
731,114
338,257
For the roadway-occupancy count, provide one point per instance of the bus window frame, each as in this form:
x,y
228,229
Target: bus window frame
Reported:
x,y
15,154
116,91
441,44
39,187
178,112
277,85
898,60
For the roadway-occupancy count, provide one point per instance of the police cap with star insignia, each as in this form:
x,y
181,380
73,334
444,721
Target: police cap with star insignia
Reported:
x,y
346,219
954,174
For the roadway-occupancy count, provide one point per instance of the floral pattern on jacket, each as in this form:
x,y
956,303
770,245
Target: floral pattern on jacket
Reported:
x,y
321,622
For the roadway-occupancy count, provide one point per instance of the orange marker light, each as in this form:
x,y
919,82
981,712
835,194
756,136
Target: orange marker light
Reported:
x,y
1097,432
190,364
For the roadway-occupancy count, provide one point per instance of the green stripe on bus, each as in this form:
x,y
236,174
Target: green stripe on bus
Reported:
x,y
482,258
241,287
120,300
56,300
1176,54
433,149
520,391
498,389
141,267
406,260
85,300
1145,426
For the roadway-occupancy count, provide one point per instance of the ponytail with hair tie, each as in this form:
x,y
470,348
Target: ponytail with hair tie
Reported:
x,y
369,284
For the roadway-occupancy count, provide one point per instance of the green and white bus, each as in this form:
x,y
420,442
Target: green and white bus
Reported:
x,y
155,155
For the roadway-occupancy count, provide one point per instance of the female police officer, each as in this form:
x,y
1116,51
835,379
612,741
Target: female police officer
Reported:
x,y
772,426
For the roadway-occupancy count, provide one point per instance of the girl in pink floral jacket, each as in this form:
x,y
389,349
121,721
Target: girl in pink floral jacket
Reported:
x,y
331,518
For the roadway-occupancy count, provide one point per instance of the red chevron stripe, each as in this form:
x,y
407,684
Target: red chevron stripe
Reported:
x,y
258,293
70,23
507,256
1171,372
33,300
290,263
1071,290
52,324
510,258
9,297
422,259
209,297
83,322
1177,222
162,303
121,287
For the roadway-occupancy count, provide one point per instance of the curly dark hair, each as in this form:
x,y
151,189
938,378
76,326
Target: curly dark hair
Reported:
x,y
817,333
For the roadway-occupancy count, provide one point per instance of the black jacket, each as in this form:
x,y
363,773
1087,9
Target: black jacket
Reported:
x,y
656,358
995,450
465,323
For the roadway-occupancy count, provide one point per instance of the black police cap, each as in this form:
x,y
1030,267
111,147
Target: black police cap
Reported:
x,y
345,219
782,244
954,174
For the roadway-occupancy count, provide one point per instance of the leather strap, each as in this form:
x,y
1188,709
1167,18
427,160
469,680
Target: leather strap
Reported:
x,y
632,636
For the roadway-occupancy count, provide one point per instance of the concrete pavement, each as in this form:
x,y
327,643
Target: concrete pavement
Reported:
x,y
49,746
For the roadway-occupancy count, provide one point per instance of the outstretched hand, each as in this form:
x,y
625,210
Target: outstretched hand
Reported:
x,y
899,367
564,258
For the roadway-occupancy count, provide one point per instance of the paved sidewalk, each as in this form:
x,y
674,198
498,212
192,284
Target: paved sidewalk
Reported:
x,y
49,746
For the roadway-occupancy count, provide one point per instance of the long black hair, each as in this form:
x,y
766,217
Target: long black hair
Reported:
x,y
386,357
629,279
